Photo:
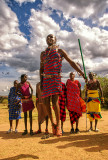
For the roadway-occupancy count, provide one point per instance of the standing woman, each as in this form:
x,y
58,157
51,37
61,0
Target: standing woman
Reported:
x,y
27,102
14,105
93,89
73,101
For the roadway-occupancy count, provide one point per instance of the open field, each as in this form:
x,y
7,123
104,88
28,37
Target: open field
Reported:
x,y
82,146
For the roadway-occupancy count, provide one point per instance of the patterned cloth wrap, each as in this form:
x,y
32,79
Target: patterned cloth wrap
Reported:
x,y
27,102
52,66
14,102
93,105
73,100
62,103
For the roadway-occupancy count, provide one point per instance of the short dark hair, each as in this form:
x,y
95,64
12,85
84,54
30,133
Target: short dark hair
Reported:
x,y
91,73
54,36
15,81
23,75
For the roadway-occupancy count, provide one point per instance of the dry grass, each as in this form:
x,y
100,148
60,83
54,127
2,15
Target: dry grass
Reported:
x,y
83,146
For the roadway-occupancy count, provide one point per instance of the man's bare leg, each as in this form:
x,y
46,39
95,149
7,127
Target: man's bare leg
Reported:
x,y
56,108
96,129
62,125
17,122
11,127
55,99
48,107
47,123
77,121
77,130
91,126
46,130
72,128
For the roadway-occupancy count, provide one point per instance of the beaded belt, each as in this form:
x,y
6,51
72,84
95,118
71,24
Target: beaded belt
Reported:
x,y
51,76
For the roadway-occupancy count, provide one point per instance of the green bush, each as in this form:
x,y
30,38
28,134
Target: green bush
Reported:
x,y
104,84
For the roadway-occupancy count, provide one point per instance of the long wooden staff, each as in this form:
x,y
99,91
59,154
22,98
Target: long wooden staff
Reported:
x,y
84,75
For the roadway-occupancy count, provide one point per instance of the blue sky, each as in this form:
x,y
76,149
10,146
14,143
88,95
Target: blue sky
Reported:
x,y
24,25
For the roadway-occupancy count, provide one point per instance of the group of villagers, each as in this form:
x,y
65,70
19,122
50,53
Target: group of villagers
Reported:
x,y
52,94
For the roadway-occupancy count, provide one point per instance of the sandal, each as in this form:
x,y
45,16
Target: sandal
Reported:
x,y
46,131
96,130
76,130
58,132
31,132
38,132
45,136
91,129
25,132
16,130
72,131
10,131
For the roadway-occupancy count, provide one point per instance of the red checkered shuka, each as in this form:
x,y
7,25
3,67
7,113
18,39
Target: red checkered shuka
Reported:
x,y
62,103
73,96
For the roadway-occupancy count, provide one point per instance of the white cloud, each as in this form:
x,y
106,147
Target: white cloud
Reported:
x,y
94,40
41,25
10,35
103,21
24,1
83,9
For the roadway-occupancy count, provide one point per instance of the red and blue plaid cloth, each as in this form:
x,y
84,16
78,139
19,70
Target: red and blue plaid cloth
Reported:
x,y
62,103
52,66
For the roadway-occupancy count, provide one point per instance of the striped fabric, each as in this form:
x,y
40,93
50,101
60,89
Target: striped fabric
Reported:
x,y
62,103
52,66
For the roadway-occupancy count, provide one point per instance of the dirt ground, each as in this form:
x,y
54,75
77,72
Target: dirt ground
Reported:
x,y
82,146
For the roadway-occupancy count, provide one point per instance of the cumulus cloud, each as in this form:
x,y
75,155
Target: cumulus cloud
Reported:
x,y
24,56
10,35
103,21
94,40
82,8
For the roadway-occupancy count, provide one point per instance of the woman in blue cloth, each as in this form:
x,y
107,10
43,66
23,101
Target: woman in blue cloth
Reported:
x,y
14,105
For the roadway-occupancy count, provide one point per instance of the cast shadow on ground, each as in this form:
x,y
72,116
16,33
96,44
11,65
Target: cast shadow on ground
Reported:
x,y
21,156
18,135
90,142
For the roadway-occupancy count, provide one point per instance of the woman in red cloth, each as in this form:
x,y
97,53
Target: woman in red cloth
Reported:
x,y
27,102
73,101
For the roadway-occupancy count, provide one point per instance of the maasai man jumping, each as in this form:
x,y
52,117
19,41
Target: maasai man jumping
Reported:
x,y
50,76
73,101
93,102
62,105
